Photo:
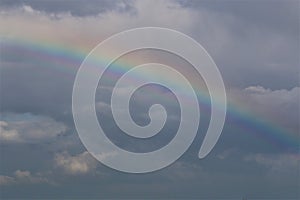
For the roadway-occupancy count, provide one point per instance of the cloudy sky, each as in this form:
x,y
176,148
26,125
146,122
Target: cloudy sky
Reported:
x,y
255,45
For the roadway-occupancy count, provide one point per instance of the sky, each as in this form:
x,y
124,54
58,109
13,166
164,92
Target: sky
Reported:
x,y
256,46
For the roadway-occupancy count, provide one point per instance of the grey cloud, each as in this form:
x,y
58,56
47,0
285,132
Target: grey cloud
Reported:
x,y
76,8
247,54
277,167
279,106
29,87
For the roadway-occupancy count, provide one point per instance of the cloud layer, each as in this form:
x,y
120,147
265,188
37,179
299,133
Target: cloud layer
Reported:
x,y
254,44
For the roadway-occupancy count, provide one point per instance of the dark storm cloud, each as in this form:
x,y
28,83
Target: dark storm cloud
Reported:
x,y
257,44
277,15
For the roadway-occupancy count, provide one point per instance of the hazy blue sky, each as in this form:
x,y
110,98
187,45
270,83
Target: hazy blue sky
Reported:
x,y
256,46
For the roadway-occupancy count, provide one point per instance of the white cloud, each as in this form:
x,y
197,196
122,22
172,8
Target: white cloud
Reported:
x,y
102,107
7,134
79,164
6,180
29,128
278,165
226,153
25,177
257,90
28,9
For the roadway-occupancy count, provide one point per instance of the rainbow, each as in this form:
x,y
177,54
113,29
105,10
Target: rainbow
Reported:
x,y
69,58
